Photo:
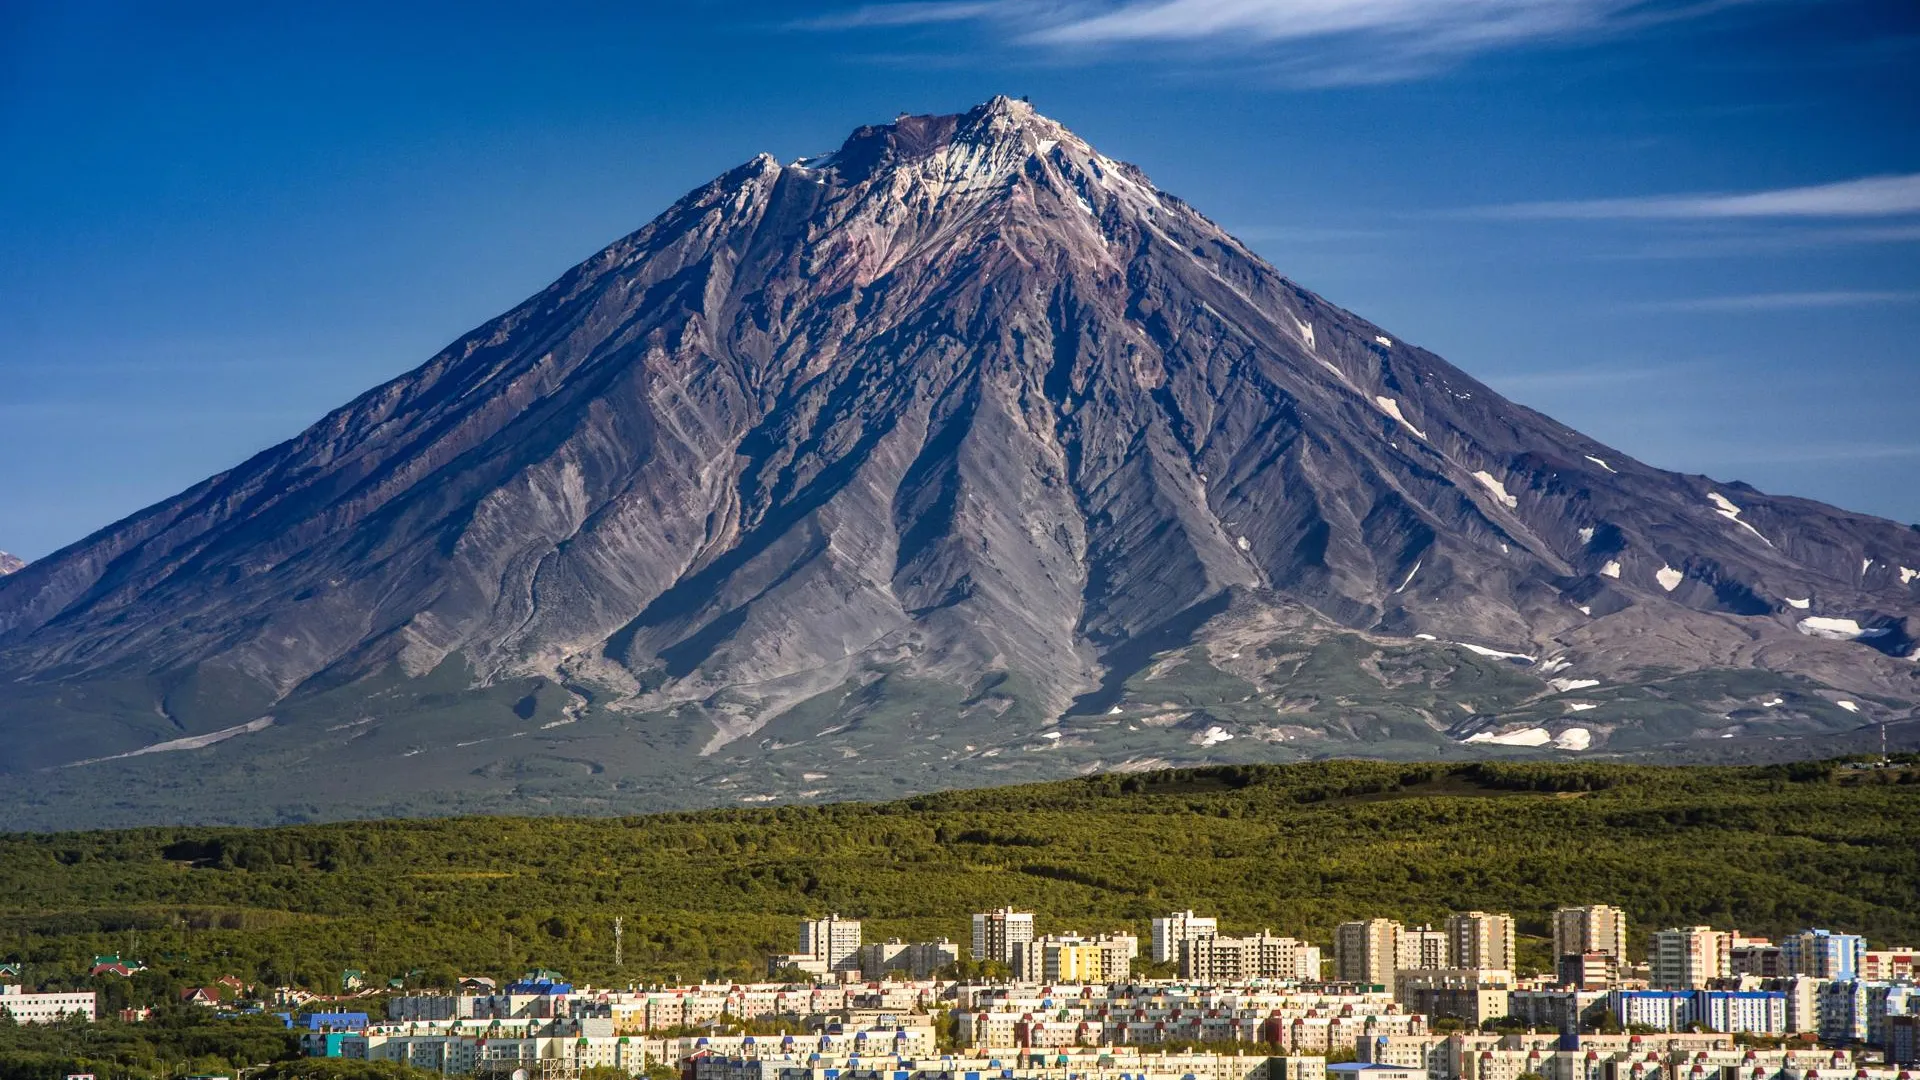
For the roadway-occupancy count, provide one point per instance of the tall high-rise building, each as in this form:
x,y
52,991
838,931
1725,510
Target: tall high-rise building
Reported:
x,y
997,935
1180,926
1478,939
1686,957
1824,954
1422,948
1367,951
832,939
1595,928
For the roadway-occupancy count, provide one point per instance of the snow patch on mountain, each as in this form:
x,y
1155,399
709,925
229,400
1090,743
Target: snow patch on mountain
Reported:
x,y
1392,408
1832,629
1499,489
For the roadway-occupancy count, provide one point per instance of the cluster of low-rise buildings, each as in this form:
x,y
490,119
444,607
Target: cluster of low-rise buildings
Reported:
x,y
1445,1001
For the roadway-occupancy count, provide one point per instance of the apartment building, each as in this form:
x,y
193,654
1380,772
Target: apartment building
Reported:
x,y
1824,954
1367,951
1071,958
914,959
997,935
1241,959
1688,957
1170,931
833,940
1475,995
26,1008
1478,939
1423,948
1594,928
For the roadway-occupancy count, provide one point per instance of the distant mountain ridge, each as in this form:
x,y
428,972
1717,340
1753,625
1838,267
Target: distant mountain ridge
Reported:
x,y
969,438
10,563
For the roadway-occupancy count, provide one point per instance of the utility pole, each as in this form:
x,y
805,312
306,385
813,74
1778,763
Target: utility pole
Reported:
x,y
617,920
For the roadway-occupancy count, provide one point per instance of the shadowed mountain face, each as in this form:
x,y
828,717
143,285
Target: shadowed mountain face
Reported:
x,y
964,414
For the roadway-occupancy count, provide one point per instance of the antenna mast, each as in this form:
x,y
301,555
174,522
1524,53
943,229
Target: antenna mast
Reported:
x,y
617,933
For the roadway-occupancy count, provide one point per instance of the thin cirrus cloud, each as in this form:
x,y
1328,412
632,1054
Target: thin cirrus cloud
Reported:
x,y
1786,301
1421,35
1871,196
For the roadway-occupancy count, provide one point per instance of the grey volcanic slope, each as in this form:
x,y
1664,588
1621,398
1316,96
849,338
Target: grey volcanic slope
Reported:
x,y
965,432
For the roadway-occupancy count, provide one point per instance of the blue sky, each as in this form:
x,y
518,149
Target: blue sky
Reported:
x,y
1691,229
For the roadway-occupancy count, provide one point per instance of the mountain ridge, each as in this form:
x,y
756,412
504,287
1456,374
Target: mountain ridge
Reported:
x,y
966,402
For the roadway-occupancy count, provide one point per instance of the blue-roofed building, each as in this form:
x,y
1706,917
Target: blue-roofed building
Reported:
x,y
335,1021
1824,954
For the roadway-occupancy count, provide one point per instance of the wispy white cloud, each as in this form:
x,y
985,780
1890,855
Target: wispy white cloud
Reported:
x,y
907,13
1322,42
1871,196
1786,301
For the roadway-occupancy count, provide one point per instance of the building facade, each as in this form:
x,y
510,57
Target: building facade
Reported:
x,y
1595,928
1170,931
1479,939
998,934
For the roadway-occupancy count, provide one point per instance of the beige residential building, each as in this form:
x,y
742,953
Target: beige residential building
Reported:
x,y
1687,957
1595,928
1478,939
1367,951
998,935
1261,956
834,940
1180,926
1475,995
1422,947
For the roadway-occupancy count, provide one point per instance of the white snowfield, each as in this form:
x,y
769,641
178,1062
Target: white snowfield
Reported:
x,y
1499,489
1532,736
1907,574
1482,650
1564,685
1821,626
1215,735
1668,577
1848,705
1580,706
1586,536
1574,738
1392,408
1612,569
1387,341
1726,509
1600,463
1802,604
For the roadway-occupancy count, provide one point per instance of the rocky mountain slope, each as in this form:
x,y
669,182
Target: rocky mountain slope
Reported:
x,y
969,435
10,563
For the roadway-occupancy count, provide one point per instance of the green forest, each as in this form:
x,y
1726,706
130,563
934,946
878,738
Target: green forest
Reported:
x,y
706,895
1294,848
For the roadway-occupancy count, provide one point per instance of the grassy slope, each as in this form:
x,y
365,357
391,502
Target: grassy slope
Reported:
x,y
1296,848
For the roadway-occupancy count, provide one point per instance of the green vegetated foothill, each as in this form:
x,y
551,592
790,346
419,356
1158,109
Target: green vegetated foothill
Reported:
x,y
1296,848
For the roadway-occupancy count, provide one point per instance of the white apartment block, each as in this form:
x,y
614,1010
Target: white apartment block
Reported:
x,y
1686,958
1478,939
1180,926
1424,948
1242,959
1367,951
997,934
28,1008
1595,928
833,939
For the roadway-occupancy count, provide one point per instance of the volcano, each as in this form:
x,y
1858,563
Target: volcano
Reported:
x,y
957,456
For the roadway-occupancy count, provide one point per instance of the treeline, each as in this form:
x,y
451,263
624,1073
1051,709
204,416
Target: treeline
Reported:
x,y
1294,848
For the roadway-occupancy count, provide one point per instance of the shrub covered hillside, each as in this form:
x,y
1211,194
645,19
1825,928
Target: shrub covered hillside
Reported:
x,y
1296,848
